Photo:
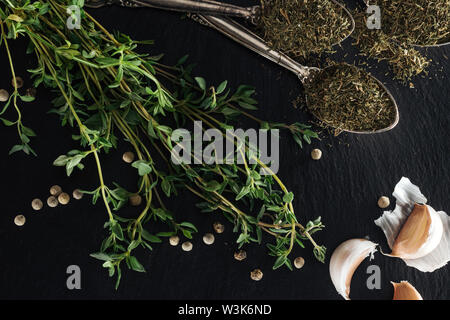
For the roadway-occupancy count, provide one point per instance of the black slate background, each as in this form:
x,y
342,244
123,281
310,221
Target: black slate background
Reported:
x,y
342,188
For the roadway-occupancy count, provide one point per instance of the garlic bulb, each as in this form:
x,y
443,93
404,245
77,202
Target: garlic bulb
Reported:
x,y
405,291
416,233
345,260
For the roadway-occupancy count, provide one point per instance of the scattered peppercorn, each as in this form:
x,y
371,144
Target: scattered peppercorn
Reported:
x,y
256,275
55,190
187,246
383,202
299,262
135,200
316,154
174,240
218,227
128,157
208,238
64,198
52,202
18,82
19,220
37,204
31,92
240,255
77,194
4,95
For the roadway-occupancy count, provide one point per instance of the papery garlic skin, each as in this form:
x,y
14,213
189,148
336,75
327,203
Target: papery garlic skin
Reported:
x,y
433,256
345,260
405,291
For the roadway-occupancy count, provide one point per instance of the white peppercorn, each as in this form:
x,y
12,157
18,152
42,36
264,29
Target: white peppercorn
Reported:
x,y
218,227
128,157
187,246
240,255
52,202
64,198
37,204
77,194
18,82
55,190
316,154
31,92
4,95
256,275
19,220
299,262
208,238
135,200
383,202
174,240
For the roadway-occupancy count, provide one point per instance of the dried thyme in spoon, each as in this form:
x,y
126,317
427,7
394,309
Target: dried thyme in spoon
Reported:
x,y
302,27
415,22
404,61
347,98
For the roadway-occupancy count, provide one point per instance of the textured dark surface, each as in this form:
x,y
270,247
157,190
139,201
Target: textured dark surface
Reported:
x,y
343,187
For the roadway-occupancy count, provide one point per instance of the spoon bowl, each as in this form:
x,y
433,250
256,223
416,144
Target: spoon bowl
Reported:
x,y
306,74
393,103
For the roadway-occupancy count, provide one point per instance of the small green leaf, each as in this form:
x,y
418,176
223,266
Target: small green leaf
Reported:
x,y
6,122
133,245
149,237
212,186
142,166
242,238
288,197
221,87
101,256
117,230
17,147
281,260
201,82
136,265
188,225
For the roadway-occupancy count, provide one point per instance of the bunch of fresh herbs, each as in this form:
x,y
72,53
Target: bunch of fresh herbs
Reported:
x,y
111,93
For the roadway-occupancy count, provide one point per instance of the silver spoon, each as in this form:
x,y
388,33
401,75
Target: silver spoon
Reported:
x,y
248,39
366,2
209,7
251,14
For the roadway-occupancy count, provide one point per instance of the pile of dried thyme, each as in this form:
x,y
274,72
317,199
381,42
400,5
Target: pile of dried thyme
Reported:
x,y
415,22
303,27
347,98
404,60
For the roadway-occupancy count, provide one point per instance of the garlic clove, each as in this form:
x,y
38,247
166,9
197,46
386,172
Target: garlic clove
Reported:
x,y
419,235
405,291
434,253
345,260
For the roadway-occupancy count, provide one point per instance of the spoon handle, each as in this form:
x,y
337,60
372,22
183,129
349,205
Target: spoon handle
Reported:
x,y
203,6
250,40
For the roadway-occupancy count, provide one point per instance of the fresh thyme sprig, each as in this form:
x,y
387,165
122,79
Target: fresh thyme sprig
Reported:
x,y
110,92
